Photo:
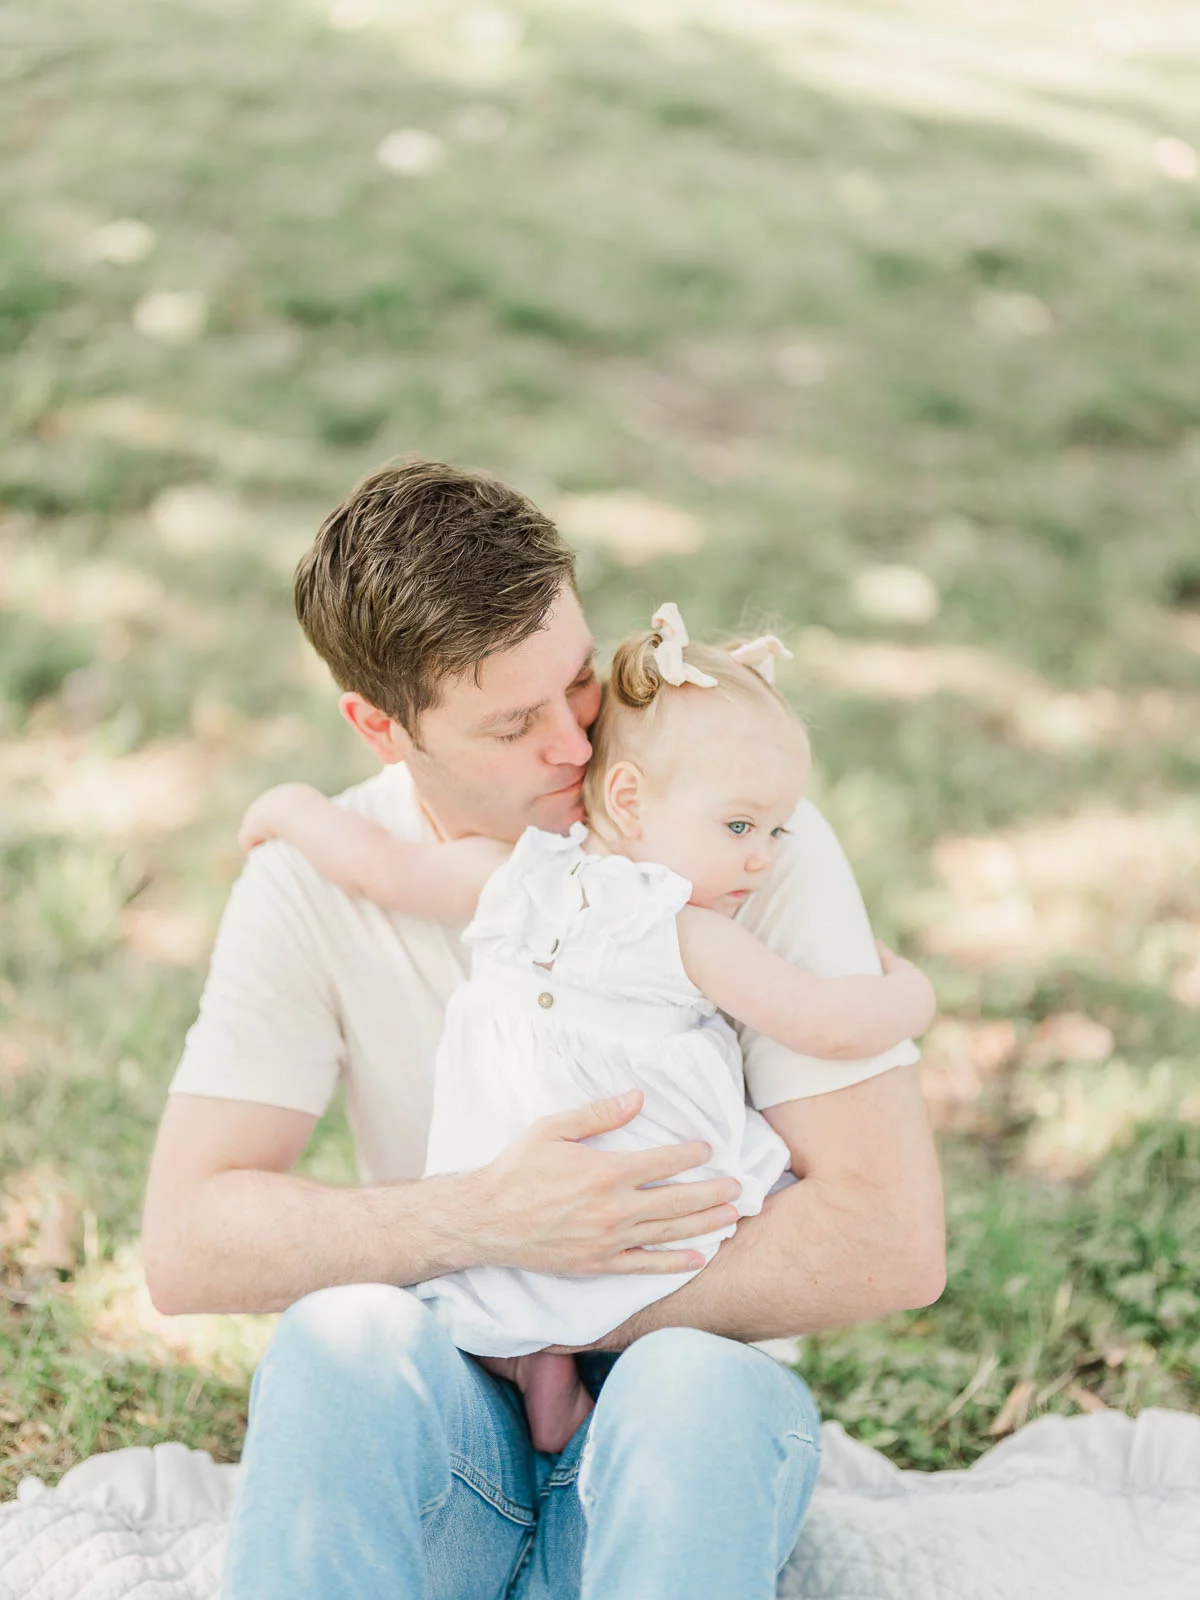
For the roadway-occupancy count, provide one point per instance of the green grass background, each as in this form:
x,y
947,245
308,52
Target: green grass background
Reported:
x,y
762,299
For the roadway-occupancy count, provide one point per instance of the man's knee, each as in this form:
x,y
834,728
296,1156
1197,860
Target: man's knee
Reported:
x,y
350,1337
685,1388
680,1378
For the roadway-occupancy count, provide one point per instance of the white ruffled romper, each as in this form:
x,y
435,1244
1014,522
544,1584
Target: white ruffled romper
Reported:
x,y
578,992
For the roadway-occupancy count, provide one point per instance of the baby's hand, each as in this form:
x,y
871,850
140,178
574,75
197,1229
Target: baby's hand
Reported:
x,y
919,1000
270,813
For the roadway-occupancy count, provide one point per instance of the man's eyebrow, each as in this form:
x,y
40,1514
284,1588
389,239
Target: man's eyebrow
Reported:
x,y
520,713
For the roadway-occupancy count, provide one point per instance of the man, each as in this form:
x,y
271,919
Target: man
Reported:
x,y
379,1460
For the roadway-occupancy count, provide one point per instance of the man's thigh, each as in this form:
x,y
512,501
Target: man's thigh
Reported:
x,y
379,1461
702,1429
478,1538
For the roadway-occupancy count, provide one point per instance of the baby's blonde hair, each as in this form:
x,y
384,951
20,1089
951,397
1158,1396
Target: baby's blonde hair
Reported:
x,y
635,695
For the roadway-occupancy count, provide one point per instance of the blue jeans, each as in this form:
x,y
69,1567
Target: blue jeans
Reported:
x,y
380,1461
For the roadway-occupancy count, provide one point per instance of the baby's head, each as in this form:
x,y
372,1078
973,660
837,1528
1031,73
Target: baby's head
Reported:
x,y
700,777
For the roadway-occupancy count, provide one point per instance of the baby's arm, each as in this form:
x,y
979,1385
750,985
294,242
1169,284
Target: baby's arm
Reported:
x,y
443,881
839,1019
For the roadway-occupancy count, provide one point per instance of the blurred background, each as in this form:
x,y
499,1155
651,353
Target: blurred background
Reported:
x,y
877,322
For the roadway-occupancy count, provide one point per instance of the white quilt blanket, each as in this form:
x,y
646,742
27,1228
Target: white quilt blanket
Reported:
x,y
1095,1508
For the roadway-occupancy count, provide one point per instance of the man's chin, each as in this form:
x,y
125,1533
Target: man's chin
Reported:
x,y
558,812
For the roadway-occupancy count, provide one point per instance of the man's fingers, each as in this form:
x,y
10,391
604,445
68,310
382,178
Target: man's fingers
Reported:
x,y
689,1227
665,1161
650,1261
598,1116
667,1201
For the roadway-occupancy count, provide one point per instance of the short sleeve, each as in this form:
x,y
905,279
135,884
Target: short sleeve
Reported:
x,y
268,1028
811,912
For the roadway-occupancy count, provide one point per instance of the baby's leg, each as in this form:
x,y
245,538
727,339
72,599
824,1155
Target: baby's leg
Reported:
x,y
556,1401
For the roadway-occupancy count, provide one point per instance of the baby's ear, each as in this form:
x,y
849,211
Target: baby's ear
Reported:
x,y
622,793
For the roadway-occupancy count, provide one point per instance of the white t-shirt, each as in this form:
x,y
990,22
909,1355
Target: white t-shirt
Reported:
x,y
309,985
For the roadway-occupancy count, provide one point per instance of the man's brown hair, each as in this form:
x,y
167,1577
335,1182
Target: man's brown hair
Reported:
x,y
419,575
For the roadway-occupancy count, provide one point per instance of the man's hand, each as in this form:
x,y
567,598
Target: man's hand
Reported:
x,y
550,1204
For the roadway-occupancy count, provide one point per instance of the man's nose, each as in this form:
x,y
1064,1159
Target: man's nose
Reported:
x,y
568,744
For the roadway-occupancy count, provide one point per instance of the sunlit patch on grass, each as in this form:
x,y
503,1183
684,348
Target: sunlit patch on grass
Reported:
x,y
1069,1036
113,1299
348,16
635,528
1027,707
173,316
35,578
472,42
1039,73
1093,883
63,785
145,425
959,1060
40,1220
123,242
1176,159
894,593
410,152
1084,1113
170,935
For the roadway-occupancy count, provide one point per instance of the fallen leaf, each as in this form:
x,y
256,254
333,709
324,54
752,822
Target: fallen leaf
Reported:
x,y
987,1365
1070,1036
1014,1410
1084,1399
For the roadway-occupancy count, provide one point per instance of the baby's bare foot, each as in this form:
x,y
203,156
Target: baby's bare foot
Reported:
x,y
556,1402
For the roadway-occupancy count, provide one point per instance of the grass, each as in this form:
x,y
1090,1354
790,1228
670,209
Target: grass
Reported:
x,y
763,317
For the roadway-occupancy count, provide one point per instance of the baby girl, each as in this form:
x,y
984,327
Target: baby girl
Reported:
x,y
610,959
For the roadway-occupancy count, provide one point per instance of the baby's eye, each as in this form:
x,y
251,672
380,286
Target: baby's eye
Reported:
x,y
738,829
780,833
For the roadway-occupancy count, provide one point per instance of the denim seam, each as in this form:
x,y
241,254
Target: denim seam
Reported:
x,y
562,1475
521,1563
462,1469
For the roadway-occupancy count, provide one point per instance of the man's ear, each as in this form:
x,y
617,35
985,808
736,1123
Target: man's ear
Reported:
x,y
386,738
623,784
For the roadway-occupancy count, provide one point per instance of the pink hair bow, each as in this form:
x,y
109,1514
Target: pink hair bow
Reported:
x,y
759,654
668,655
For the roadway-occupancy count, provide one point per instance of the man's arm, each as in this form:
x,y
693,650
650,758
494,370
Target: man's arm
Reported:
x,y
227,1226
860,1235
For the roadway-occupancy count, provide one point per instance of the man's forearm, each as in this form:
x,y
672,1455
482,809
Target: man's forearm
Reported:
x,y
258,1241
807,1263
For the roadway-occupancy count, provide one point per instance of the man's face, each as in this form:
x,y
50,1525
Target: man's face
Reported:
x,y
510,750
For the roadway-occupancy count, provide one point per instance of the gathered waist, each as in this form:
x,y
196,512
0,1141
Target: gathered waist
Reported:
x,y
549,1000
